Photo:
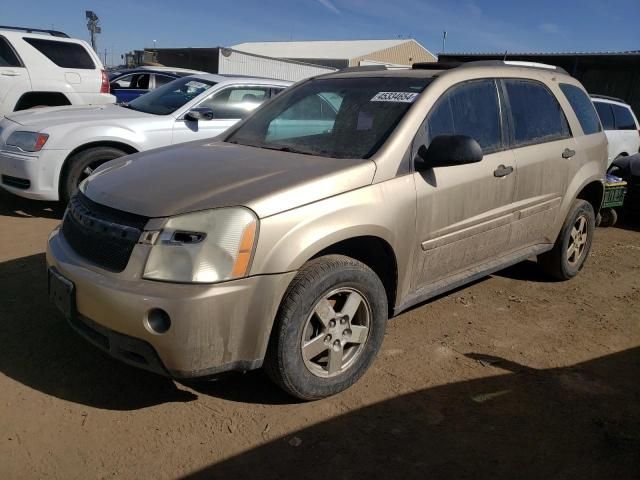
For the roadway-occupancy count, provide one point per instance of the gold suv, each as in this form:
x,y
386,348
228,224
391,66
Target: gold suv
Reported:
x,y
350,197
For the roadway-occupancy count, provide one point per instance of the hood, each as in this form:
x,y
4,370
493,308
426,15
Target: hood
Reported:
x,y
200,175
54,116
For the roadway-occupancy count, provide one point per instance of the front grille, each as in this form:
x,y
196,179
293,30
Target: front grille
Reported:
x,y
102,235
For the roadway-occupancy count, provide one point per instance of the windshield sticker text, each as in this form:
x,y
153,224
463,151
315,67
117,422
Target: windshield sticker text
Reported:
x,y
405,97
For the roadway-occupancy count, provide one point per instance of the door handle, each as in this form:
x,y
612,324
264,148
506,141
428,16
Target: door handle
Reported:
x,y
10,73
568,153
502,171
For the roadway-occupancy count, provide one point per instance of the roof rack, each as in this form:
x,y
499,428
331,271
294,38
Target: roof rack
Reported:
x,y
363,68
485,63
607,97
53,33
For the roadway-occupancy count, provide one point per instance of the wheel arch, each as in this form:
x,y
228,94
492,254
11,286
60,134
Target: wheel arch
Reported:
x,y
125,147
592,192
31,99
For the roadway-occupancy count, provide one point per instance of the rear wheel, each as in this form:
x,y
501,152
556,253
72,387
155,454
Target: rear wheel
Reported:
x,y
608,217
82,164
329,328
573,244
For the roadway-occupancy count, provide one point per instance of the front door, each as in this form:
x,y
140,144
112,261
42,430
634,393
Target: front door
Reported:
x,y
229,106
464,212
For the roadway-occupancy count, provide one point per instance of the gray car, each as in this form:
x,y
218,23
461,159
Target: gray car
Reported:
x,y
289,241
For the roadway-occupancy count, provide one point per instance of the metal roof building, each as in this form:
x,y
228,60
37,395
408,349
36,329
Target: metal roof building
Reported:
x,y
607,73
229,61
344,53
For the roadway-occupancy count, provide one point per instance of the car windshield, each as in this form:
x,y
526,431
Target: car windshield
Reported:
x,y
332,117
170,97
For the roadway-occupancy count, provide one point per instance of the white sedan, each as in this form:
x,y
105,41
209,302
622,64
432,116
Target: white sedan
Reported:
x,y
45,153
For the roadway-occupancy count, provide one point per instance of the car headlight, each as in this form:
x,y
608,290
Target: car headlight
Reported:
x,y
203,247
28,141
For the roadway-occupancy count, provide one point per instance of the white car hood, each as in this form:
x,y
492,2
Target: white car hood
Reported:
x,y
39,118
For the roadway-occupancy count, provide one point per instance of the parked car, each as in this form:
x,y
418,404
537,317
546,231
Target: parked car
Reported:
x,y
45,153
289,251
130,84
46,67
620,125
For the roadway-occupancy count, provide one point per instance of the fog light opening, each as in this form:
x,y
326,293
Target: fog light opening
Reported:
x,y
158,321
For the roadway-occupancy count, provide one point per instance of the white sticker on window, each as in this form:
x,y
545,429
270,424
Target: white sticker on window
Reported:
x,y
404,97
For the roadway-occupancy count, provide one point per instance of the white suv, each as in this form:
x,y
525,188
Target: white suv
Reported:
x,y
47,68
620,125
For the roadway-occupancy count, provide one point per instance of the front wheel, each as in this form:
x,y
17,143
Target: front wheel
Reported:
x,y
573,244
329,329
80,165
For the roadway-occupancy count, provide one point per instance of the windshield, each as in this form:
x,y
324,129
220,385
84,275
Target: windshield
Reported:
x,y
170,97
333,117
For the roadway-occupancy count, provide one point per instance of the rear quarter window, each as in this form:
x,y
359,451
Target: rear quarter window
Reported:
x,y
63,54
583,108
624,119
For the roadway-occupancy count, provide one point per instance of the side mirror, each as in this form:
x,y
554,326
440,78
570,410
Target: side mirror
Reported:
x,y
196,114
448,150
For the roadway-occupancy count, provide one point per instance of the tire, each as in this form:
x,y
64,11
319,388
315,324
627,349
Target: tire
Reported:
x,y
334,361
76,168
558,262
609,217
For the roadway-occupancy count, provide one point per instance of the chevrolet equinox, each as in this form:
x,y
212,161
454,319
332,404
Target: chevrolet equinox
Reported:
x,y
288,241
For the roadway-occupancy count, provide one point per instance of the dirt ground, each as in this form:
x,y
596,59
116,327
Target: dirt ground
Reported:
x,y
514,376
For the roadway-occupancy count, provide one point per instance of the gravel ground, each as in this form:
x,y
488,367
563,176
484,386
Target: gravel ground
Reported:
x,y
514,376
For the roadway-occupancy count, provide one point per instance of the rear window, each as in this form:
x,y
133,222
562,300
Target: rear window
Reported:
x,y
8,58
536,114
63,54
583,108
624,119
606,115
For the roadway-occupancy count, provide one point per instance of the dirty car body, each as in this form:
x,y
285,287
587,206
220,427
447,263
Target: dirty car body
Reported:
x,y
349,185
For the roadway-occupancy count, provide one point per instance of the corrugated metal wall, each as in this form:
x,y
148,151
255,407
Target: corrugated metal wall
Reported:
x,y
239,63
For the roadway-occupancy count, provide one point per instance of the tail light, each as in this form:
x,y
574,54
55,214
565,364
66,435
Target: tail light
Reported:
x,y
104,88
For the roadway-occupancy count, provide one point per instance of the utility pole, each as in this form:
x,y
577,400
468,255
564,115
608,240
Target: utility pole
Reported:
x,y
94,29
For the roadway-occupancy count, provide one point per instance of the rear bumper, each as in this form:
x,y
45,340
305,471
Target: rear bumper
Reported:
x,y
36,173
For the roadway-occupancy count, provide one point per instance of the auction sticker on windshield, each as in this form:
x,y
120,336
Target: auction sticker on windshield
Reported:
x,y
405,97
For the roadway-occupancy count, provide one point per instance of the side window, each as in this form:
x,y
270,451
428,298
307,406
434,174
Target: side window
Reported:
x,y
606,115
583,107
8,57
63,54
470,109
141,81
624,119
537,116
122,82
236,102
163,80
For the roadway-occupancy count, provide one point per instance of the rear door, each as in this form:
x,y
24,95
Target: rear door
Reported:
x,y
545,154
14,78
464,212
229,104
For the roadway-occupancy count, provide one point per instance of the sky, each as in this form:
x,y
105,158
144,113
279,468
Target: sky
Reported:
x,y
471,25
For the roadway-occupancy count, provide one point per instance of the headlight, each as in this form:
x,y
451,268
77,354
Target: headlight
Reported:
x,y
28,141
203,247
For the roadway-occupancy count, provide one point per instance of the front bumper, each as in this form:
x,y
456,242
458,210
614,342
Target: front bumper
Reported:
x,y
39,172
214,328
